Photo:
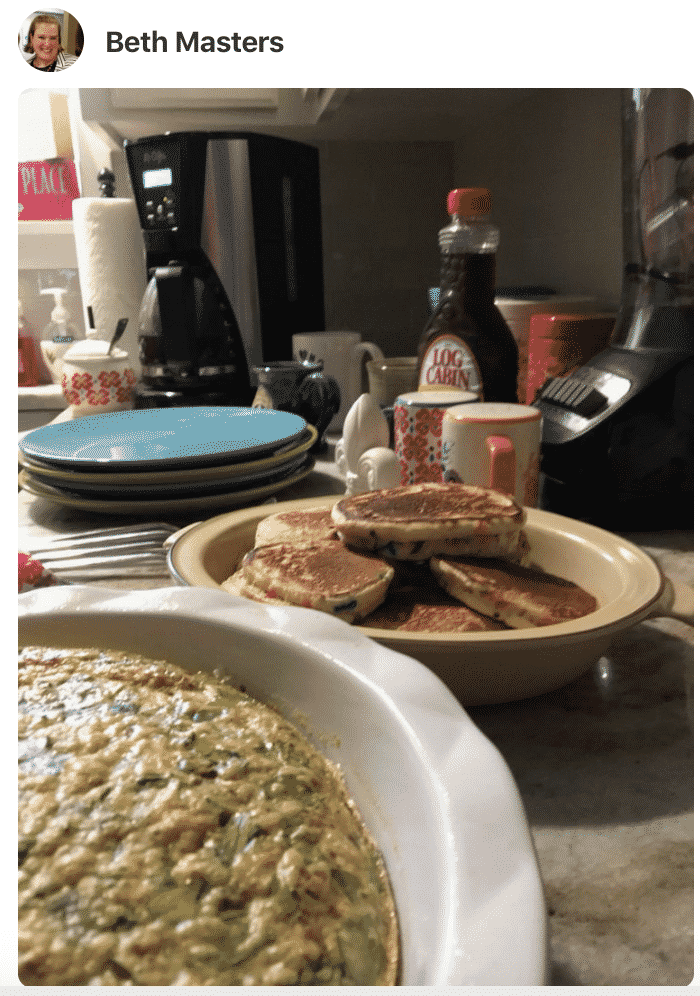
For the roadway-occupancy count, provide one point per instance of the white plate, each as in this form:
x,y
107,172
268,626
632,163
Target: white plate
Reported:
x,y
160,438
435,793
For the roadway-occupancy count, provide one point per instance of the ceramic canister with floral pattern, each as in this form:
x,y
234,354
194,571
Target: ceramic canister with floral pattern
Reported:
x,y
95,380
418,419
494,445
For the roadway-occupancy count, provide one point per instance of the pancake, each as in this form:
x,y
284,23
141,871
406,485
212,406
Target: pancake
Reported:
x,y
419,521
501,546
323,575
296,525
518,596
415,604
237,585
424,617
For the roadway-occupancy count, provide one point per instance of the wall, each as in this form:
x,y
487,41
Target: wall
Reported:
x,y
383,203
553,163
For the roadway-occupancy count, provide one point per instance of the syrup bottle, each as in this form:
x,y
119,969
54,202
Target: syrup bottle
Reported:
x,y
467,345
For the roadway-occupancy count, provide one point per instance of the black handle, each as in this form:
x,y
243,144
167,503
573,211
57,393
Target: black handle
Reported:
x,y
107,181
118,333
175,299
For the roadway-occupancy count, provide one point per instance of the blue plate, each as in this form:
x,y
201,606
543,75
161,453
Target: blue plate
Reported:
x,y
164,437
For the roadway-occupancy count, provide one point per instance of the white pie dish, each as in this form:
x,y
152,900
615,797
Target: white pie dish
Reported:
x,y
435,793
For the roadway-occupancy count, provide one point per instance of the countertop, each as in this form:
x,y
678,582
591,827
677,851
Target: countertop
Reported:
x,y
604,767
42,397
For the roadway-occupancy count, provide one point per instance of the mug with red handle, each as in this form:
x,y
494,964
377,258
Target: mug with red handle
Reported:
x,y
495,445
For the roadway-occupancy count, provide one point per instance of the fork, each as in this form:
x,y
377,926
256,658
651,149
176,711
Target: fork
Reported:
x,y
118,551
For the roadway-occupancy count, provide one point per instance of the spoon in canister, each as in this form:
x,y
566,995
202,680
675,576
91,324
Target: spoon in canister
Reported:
x,y
118,333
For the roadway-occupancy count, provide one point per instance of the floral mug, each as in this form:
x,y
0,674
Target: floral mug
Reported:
x,y
418,419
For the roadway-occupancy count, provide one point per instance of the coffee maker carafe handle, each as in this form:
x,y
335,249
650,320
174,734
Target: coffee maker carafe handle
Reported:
x,y
175,302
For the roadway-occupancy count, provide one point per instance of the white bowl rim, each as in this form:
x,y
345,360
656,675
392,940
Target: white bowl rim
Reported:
x,y
505,912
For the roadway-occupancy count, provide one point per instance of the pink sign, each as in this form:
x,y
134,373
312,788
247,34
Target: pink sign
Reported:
x,y
46,190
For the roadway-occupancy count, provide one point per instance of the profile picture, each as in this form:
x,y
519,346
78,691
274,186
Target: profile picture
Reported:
x,y
50,40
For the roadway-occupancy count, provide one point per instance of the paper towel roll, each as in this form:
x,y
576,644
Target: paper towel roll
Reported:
x,y
111,265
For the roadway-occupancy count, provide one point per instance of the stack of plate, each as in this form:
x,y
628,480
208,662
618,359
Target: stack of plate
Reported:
x,y
167,460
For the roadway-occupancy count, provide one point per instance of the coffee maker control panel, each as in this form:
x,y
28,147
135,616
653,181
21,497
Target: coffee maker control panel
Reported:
x,y
159,199
161,171
161,212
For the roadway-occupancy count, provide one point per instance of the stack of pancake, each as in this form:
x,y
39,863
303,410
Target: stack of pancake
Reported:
x,y
423,557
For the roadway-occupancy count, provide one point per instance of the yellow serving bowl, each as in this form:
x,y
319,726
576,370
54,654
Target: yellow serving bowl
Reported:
x,y
485,667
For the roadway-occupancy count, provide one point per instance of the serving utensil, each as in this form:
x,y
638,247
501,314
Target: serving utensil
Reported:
x,y
114,552
118,333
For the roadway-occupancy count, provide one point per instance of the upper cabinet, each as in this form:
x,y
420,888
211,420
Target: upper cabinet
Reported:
x,y
90,126
312,114
132,113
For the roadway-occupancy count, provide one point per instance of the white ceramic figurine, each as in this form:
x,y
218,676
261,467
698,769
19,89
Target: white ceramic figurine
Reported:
x,y
363,455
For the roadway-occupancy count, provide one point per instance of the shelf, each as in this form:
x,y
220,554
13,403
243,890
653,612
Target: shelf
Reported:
x,y
46,245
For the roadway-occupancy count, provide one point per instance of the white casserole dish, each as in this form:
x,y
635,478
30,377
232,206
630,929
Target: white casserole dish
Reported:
x,y
435,793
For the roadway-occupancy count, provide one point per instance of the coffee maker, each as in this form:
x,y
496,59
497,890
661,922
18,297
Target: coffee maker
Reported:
x,y
617,435
231,223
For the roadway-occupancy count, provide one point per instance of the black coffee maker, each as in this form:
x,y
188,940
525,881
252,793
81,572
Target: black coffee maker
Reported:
x,y
617,438
232,229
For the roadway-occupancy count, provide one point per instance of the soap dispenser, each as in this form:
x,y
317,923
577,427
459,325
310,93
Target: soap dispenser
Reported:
x,y
58,335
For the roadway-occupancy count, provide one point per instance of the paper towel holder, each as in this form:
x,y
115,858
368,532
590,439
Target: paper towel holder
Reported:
x,y
111,258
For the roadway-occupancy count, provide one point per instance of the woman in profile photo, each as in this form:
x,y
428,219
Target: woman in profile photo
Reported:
x,y
44,41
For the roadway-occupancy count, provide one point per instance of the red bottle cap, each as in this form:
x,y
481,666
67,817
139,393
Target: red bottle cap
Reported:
x,y
469,200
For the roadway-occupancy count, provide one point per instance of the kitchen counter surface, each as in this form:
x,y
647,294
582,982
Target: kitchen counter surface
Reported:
x,y
604,767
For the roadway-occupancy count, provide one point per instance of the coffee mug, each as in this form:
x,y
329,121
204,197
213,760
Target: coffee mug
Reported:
x,y
300,388
495,445
418,419
390,377
341,354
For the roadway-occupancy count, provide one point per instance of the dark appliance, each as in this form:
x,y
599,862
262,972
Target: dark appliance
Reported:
x,y
617,441
232,230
